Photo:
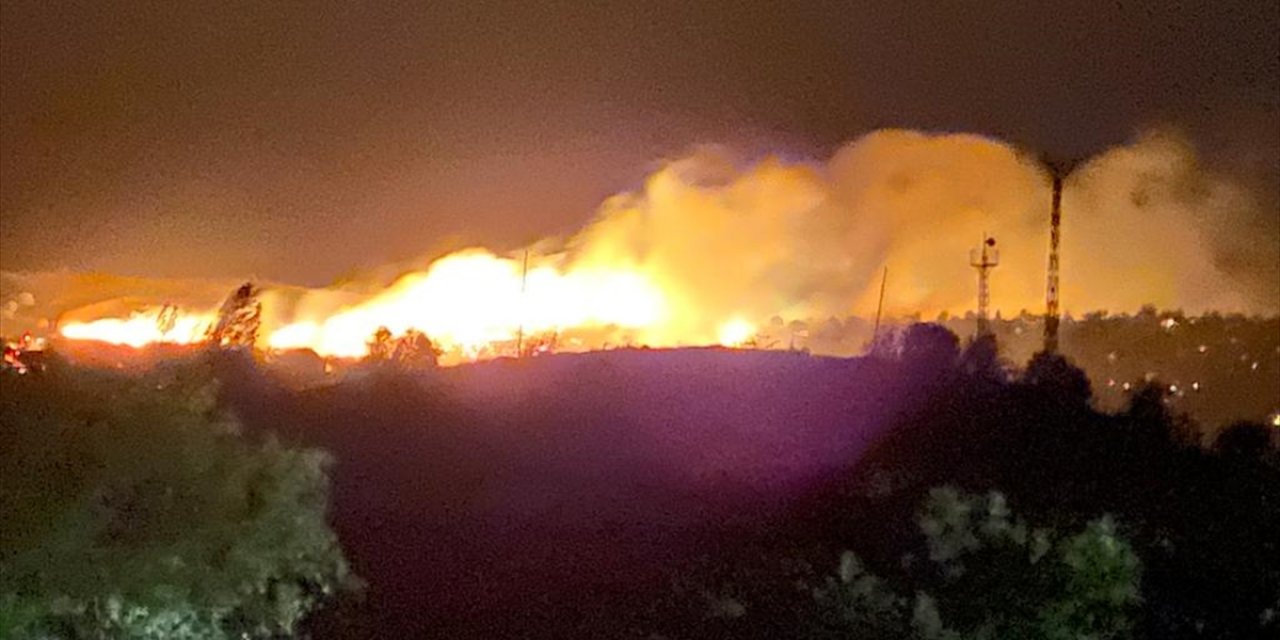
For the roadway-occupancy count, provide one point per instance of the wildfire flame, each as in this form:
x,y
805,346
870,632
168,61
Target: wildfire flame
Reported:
x,y
142,328
736,332
466,303
472,299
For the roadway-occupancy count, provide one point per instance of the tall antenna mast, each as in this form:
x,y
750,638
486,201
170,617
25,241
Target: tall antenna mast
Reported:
x,y
1058,169
875,333
984,259
524,283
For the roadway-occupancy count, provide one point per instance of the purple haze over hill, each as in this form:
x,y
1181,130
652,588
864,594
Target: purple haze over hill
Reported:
x,y
545,484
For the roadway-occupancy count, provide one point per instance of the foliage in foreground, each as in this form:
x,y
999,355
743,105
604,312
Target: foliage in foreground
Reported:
x,y
989,575
134,509
1202,518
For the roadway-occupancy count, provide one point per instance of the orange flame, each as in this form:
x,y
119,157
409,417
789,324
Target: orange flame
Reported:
x,y
736,332
141,328
466,303
471,299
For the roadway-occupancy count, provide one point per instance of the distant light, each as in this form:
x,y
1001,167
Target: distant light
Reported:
x,y
1275,419
1202,348
1111,382
1169,324
1195,386
1173,388
1112,357
1254,366
1127,386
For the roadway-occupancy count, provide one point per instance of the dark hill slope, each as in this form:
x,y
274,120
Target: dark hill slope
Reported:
x,y
549,497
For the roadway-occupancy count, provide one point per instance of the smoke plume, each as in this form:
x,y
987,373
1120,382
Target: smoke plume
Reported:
x,y
1142,224
724,237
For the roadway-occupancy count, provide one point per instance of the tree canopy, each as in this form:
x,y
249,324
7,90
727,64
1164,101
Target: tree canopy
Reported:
x,y
134,508
990,575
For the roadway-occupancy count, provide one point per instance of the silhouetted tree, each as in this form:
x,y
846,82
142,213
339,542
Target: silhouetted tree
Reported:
x,y
415,349
990,576
538,344
411,350
981,359
884,345
1150,415
167,318
238,319
381,345
1055,375
1203,523
1250,440
927,345
1147,403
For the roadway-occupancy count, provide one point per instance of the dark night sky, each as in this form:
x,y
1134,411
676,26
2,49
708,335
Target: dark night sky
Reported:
x,y
295,141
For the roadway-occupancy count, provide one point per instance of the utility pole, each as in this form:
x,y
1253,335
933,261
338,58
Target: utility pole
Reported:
x,y
524,283
984,259
875,333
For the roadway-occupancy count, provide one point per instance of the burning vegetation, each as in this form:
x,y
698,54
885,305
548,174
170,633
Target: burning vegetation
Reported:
x,y
711,249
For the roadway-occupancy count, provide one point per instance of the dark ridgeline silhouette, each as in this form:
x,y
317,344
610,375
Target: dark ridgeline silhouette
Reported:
x,y
1223,367
935,414
560,496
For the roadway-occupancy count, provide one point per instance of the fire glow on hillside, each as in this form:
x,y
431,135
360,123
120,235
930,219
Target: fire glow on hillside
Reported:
x,y
141,328
468,303
712,250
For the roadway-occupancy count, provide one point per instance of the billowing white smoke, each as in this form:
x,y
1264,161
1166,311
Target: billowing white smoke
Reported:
x,y
809,240
722,238
1146,223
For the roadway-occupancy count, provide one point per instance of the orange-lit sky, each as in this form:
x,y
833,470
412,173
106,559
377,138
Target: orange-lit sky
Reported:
x,y
298,142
